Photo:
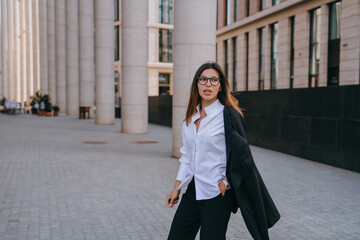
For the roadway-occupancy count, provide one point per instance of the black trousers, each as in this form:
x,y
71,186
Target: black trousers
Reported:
x,y
211,215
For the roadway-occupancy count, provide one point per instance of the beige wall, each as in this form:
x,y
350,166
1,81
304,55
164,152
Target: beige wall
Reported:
x,y
349,47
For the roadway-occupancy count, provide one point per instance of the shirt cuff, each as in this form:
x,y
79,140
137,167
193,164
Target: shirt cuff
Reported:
x,y
181,172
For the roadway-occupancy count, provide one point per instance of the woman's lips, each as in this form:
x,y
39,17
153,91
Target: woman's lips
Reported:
x,y
207,91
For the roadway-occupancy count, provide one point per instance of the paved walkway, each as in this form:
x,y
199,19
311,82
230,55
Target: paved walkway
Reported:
x,y
54,186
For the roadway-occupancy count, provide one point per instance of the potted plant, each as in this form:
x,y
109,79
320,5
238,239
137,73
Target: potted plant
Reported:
x,y
35,103
46,104
56,110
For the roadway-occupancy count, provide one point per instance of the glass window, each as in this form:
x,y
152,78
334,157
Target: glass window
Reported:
x,y
164,84
334,43
236,10
227,12
262,4
261,57
166,11
117,49
275,2
226,50
116,10
247,61
274,58
165,45
292,50
247,8
234,39
314,60
334,20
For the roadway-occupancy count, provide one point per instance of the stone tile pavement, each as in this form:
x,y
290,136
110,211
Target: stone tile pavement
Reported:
x,y
54,186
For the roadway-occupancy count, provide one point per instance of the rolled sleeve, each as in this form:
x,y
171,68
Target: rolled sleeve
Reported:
x,y
182,170
184,159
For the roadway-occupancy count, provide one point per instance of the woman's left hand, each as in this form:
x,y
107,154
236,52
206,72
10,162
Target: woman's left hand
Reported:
x,y
222,188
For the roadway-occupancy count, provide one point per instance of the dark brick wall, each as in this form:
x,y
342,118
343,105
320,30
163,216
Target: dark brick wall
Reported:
x,y
320,124
160,110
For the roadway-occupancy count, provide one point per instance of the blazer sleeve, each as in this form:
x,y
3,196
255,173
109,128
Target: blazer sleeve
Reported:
x,y
238,122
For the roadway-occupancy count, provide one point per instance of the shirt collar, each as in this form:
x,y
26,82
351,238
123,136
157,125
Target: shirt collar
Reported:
x,y
211,108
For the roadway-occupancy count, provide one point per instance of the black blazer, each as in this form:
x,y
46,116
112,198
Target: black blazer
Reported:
x,y
257,208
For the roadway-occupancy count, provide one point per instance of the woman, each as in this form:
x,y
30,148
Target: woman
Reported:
x,y
217,166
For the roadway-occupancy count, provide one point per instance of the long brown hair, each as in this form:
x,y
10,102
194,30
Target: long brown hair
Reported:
x,y
224,95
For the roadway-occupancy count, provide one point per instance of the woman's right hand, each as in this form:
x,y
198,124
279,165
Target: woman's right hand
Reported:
x,y
172,198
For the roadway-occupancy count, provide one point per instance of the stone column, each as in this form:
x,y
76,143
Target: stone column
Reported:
x,y
51,50
284,54
22,48
230,64
301,44
44,86
349,71
3,52
35,45
253,60
60,54
29,80
241,56
86,54
192,47
72,57
10,47
134,101
14,89
324,39
104,61
267,55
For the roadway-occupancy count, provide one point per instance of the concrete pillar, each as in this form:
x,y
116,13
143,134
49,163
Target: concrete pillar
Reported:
x,y
43,49
241,56
51,50
60,54
192,47
301,45
104,62
86,54
10,42
253,60
324,38
15,87
29,81
35,45
3,51
284,54
22,48
349,43
72,57
230,64
134,101
267,60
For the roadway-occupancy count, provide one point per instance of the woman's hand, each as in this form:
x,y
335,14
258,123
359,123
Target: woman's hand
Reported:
x,y
172,198
222,187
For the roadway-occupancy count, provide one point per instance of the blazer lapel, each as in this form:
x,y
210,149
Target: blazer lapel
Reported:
x,y
228,129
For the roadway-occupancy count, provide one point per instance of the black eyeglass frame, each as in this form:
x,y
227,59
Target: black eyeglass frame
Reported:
x,y
207,79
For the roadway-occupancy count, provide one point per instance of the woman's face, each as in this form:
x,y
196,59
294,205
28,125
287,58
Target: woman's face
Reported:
x,y
207,91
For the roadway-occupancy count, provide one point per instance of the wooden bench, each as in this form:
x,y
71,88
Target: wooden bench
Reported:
x,y
82,112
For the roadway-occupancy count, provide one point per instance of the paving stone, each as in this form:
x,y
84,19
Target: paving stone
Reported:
x,y
54,186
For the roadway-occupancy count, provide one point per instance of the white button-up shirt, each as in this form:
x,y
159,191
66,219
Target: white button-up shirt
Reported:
x,y
204,152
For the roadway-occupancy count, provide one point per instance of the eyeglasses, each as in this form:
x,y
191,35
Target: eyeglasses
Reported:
x,y
214,81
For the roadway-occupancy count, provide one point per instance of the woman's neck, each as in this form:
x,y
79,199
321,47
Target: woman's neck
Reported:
x,y
205,104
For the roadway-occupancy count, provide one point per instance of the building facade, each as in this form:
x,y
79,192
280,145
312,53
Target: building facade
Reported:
x,y
160,43
282,44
